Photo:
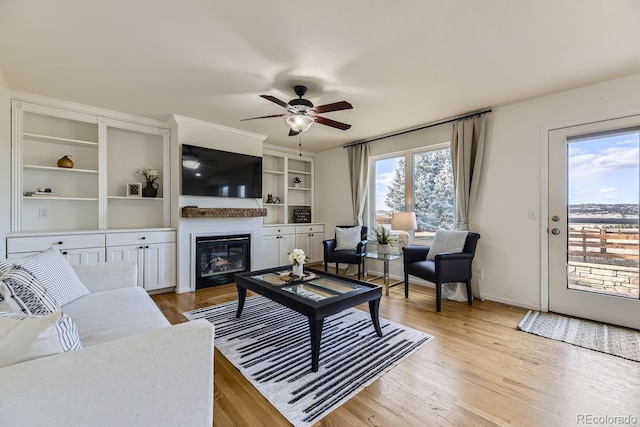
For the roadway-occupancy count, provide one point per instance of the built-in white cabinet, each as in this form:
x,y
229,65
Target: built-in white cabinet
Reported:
x,y
280,240
92,194
309,238
278,243
288,179
153,251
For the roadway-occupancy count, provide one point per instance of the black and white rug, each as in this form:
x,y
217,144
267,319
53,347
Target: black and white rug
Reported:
x,y
610,339
270,346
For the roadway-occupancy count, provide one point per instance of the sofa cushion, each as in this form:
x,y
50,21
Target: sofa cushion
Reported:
x,y
110,315
54,273
25,337
23,293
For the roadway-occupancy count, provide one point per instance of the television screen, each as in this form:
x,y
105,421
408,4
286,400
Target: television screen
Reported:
x,y
216,173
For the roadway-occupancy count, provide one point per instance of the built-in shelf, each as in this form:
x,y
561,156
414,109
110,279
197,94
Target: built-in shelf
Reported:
x,y
293,172
60,198
135,198
58,169
268,205
58,140
272,172
299,188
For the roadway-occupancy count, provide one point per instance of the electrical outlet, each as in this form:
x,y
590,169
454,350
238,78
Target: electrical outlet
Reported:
x,y
481,273
531,214
43,213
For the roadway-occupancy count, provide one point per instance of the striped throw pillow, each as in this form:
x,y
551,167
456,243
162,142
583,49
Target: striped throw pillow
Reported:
x,y
24,294
25,337
55,274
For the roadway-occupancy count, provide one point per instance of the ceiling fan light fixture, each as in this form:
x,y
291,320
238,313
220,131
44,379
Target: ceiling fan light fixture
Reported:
x,y
300,122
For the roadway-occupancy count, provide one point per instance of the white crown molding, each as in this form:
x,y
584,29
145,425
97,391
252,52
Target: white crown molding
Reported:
x,y
188,120
86,109
288,150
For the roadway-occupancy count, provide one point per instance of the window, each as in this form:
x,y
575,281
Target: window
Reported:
x,y
419,181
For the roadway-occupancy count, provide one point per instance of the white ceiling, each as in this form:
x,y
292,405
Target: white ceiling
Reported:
x,y
401,63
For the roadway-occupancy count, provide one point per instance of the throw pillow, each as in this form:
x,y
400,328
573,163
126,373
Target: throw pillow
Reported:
x,y
24,294
56,275
447,241
348,238
25,337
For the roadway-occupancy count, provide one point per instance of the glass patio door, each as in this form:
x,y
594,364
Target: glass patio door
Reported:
x,y
594,192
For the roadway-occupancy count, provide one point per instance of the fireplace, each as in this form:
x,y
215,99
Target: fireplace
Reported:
x,y
218,258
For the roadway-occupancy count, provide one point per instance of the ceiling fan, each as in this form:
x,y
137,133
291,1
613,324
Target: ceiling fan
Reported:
x,y
302,114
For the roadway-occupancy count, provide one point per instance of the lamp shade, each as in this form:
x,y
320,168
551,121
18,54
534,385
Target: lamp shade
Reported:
x,y
403,221
300,122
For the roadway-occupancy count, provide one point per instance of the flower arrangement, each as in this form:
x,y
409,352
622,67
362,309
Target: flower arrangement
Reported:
x,y
150,173
297,257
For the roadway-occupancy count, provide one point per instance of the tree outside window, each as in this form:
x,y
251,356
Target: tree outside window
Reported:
x,y
421,181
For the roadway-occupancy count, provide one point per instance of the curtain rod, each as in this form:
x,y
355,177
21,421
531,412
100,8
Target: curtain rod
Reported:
x,y
441,122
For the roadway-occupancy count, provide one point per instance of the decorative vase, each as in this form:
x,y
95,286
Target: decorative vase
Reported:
x,y
296,184
65,162
151,190
384,248
297,270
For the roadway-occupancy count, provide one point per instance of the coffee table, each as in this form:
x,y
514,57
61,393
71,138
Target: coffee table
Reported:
x,y
316,298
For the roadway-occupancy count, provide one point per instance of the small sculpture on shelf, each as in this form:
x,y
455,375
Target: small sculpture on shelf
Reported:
x,y
269,198
296,182
65,162
151,175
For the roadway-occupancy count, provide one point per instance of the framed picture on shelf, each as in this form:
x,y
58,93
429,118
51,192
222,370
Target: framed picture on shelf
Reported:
x,y
134,189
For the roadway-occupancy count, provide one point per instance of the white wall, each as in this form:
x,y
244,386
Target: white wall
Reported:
x,y
5,161
194,132
510,247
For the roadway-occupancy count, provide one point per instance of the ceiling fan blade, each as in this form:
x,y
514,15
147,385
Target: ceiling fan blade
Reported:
x,y
276,100
293,132
332,123
263,117
336,106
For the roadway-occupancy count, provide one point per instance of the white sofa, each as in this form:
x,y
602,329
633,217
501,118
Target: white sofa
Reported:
x,y
134,369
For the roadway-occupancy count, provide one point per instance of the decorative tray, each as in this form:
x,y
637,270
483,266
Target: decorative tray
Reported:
x,y
286,276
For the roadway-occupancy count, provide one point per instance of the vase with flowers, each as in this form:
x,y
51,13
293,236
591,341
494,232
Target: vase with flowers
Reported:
x,y
297,258
151,175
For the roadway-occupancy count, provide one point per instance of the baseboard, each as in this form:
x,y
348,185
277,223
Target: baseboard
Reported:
x,y
510,302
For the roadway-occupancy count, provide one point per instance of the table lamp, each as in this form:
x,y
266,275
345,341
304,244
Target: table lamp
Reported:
x,y
403,221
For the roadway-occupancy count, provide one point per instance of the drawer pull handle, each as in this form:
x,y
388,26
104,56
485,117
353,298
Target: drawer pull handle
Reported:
x,y
142,238
64,253
141,247
60,242
146,247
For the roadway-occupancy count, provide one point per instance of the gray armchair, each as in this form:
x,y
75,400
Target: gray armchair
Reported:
x,y
353,256
448,267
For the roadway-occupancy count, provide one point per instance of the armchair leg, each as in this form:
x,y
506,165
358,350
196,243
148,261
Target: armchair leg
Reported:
x,y
438,297
337,269
469,296
325,266
358,271
406,285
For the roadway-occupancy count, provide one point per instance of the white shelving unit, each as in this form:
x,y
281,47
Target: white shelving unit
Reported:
x,y
91,195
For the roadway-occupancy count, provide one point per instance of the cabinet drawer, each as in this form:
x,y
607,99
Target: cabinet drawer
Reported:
x,y
123,239
41,243
303,229
276,231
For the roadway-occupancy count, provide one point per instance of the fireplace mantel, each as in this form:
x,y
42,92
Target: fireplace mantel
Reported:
x,y
192,212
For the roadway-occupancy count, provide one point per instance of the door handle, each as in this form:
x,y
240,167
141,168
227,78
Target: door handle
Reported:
x,y
555,231
555,218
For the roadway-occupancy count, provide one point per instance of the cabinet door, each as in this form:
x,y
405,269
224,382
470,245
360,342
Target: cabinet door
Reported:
x,y
84,256
287,244
129,253
303,241
271,246
316,252
159,266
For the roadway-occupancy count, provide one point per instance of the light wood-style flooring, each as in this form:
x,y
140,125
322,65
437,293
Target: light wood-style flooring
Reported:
x,y
479,371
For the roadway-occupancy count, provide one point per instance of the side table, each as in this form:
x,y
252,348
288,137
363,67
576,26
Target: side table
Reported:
x,y
385,258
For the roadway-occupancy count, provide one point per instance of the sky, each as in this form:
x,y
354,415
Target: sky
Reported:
x,y
385,172
605,170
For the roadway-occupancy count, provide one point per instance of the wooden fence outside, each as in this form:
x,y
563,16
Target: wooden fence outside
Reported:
x,y
610,244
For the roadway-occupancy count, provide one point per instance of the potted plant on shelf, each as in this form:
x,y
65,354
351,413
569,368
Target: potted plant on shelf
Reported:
x,y
383,237
296,182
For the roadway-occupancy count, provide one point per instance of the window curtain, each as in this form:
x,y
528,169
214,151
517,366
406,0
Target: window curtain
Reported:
x,y
467,146
359,176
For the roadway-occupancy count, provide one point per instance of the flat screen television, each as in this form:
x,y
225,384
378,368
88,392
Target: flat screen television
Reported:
x,y
217,173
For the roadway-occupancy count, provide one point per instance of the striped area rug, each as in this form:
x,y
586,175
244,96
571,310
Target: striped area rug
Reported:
x,y
610,339
270,345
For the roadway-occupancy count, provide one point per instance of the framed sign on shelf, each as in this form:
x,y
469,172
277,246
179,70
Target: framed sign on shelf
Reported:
x,y
134,189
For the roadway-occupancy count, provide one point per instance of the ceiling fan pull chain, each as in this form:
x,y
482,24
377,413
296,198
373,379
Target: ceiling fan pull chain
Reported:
x,y
300,143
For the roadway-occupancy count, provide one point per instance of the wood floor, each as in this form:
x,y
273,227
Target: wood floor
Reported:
x,y
479,371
